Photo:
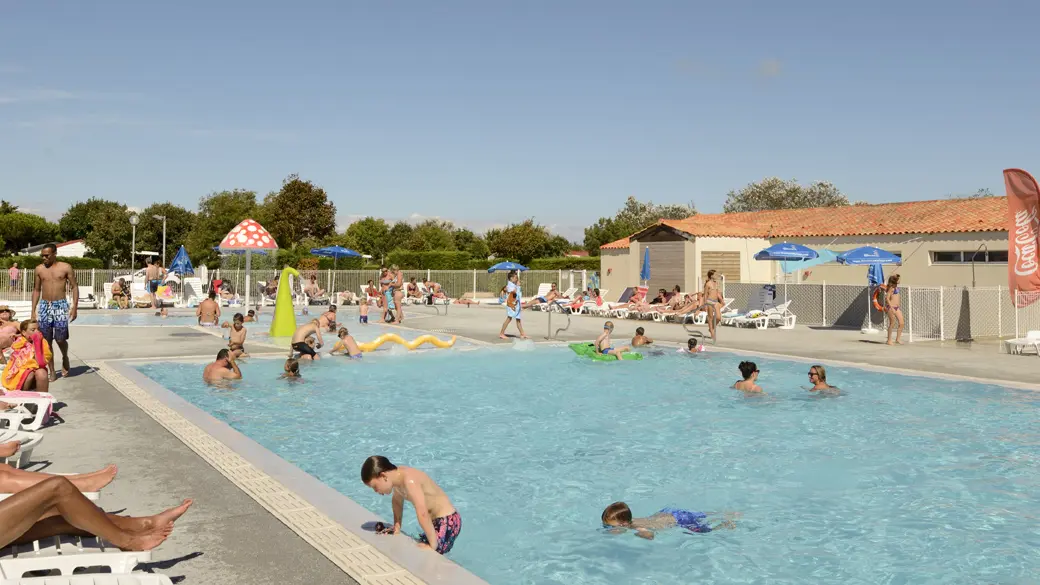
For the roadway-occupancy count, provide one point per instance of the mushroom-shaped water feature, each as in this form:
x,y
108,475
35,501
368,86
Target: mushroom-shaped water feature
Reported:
x,y
248,236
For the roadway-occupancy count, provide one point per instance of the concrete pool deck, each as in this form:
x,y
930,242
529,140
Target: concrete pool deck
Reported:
x,y
232,535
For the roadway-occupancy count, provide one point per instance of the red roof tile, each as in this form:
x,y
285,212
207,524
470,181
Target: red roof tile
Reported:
x,y
984,214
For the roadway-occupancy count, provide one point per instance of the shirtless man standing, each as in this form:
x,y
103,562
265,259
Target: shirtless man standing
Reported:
x,y
209,311
299,339
50,305
224,368
154,274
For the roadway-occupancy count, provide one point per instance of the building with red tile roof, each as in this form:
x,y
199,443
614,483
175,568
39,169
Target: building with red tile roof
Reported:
x,y
938,240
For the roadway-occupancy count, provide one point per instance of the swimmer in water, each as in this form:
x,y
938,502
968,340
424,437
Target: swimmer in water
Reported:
x,y
640,338
692,346
749,372
250,316
346,345
291,370
619,516
818,378
303,343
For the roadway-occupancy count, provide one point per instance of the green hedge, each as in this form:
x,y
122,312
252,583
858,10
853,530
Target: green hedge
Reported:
x,y
438,260
580,263
30,262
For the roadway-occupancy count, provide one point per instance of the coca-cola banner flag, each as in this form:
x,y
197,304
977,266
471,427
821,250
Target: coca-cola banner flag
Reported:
x,y
1023,230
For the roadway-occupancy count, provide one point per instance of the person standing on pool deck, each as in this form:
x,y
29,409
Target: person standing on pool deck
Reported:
x,y
895,313
50,306
440,521
154,275
15,274
712,303
398,294
514,310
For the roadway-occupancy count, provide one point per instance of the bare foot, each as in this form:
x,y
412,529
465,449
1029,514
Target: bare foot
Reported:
x,y
167,518
899,342
65,366
146,540
6,405
888,343
93,482
502,336
523,337
9,448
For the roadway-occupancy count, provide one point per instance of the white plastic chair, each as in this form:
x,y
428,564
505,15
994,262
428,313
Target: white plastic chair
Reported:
x,y
86,297
1017,346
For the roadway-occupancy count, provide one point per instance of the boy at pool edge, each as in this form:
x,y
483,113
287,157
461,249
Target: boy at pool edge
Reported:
x,y
440,522
640,338
619,516
603,344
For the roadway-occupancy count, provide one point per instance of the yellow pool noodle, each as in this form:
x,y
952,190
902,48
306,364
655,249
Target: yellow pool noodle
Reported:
x,y
372,345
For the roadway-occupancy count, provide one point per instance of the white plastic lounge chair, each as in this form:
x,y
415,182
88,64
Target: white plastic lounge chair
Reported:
x,y
364,295
67,554
139,578
1019,345
193,291
29,441
425,292
23,418
86,298
701,318
761,320
139,296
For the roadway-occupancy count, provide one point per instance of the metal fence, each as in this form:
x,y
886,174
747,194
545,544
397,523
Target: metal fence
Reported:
x,y
931,313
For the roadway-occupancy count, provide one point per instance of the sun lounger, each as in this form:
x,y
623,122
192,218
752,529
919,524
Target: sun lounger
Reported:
x,y
21,417
1019,345
139,578
29,441
86,297
67,554
779,314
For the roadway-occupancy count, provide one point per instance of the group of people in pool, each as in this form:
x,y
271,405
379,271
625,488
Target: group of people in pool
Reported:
x,y
748,381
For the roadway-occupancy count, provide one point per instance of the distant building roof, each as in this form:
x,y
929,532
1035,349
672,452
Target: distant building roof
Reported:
x,y
573,253
983,214
37,248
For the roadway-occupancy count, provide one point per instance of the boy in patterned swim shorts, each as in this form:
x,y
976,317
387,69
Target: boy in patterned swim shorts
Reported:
x,y
438,518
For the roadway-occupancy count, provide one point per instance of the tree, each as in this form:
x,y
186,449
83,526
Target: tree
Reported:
x,y
431,235
370,236
522,242
218,213
467,241
984,192
179,223
297,211
110,234
400,233
76,221
631,218
21,230
776,193
7,207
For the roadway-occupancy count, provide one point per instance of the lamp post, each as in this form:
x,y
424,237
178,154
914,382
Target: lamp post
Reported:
x,y
133,242
163,218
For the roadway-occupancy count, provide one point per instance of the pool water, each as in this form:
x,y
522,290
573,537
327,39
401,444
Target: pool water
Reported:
x,y
899,480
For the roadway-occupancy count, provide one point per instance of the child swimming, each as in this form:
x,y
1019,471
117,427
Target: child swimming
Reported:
x,y
603,344
619,515
640,338
692,346
346,345
291,369
439,519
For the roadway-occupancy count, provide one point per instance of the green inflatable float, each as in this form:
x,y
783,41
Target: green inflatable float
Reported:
x,y
284,323
589,350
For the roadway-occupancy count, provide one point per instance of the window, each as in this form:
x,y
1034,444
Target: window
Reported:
x,y
976,256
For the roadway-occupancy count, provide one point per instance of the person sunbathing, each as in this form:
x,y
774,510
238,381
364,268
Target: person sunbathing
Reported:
x,y
56,506
313,290
412,289
466,302
14,480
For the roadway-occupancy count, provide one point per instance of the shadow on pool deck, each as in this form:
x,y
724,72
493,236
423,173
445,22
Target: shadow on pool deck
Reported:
x,y
226,537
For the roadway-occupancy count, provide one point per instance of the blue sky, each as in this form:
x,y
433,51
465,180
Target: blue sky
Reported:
x,y
489,112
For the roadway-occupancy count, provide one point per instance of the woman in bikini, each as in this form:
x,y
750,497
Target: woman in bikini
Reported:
x,y
398,292
386,294
895,312
712,300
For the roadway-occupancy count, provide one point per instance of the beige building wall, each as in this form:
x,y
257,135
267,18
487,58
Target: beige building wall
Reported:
x,y
751,270
616,270
918,267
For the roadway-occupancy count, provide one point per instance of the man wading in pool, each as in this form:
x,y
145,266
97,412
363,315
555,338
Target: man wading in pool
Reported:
x,y
50,307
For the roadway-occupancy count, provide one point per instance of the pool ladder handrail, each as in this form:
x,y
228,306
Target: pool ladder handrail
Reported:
x,y
549,335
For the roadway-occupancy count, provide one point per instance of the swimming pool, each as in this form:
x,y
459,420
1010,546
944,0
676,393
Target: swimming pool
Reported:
x,y
900,480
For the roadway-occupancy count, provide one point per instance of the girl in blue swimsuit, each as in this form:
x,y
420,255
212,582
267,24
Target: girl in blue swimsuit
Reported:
x,y
618,515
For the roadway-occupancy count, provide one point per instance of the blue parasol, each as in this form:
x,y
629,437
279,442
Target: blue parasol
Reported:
x,y
868,255
644,272
506,267
181,263
787,252
335,252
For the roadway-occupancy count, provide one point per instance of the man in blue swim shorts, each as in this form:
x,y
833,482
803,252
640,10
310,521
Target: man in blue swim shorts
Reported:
x,y
619,515
51,306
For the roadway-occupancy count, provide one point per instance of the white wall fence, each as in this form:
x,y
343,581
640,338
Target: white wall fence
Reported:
x,y
931,313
